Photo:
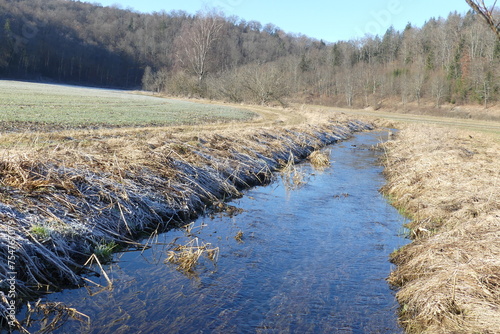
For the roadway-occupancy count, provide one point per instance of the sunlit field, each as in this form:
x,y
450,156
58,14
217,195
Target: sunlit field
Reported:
x,y
70,106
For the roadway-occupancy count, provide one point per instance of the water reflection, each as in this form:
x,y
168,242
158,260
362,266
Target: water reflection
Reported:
x,y
311,260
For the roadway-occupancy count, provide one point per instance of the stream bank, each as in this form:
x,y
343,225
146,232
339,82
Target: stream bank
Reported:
x,y
309,256
62,202
447,181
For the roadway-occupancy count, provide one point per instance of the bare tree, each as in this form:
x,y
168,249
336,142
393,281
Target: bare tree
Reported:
x,y
265,83
438,87
418,77
196,40
349,85
487,13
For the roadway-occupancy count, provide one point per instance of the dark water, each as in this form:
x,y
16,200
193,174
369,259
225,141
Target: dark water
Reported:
x,y
311,260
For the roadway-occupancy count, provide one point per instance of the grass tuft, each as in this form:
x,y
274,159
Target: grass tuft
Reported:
x,y
293,178
319,159
40,232
104,251
187,256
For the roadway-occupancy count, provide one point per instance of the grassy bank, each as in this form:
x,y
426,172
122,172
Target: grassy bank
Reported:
x,y
63,203
447,180
72,194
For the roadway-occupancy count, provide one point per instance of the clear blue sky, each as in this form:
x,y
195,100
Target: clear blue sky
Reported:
x,y
329,20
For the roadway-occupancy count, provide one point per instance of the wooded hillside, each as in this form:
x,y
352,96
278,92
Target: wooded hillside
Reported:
x,y
454,59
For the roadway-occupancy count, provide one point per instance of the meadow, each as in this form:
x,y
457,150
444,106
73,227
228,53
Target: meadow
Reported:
x,y
60,106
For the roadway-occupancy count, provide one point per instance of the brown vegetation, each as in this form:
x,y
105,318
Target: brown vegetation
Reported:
x,y
69,195
187,256
448,182
319,160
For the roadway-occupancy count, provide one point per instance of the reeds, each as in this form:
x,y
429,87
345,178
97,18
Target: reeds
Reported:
x,y
293,178
50,316
187,256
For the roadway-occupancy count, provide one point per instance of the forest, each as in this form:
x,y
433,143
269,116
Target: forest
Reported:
x,y
454,60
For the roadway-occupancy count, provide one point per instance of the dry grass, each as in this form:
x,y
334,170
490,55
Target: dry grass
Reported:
x,y
187,256
319,159
293,178
449,276
50,316
65,194
239,236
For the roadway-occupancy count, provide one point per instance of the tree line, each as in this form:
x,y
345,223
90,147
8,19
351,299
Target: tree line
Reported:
x,y
211,55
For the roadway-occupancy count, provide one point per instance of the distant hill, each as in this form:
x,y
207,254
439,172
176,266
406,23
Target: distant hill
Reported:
x,y
454,60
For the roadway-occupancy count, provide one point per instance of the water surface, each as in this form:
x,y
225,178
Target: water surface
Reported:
x,y
311,260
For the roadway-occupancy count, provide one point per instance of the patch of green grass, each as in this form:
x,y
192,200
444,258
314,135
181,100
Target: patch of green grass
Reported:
x,y
403,211
80,106
40,232
104,251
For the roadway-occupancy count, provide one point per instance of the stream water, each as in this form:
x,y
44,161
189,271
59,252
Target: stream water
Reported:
x,y
307,260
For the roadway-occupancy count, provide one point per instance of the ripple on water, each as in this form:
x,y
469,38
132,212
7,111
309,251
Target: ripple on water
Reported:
x,y
311,260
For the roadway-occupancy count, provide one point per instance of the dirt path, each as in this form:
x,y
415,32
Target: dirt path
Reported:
x,y
491,127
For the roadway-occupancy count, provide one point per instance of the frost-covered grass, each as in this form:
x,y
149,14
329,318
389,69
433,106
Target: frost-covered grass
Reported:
x,y
68,106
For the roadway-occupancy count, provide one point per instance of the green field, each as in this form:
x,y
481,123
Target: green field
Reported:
x,y
70,106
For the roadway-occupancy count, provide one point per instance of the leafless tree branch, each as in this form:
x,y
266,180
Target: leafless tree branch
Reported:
x,y
197,39
487,13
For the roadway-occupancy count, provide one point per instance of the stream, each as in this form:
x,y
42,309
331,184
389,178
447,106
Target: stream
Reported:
x,y
312,259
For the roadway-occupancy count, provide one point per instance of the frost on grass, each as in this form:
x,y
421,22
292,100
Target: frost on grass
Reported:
x,y
48,107
64,202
